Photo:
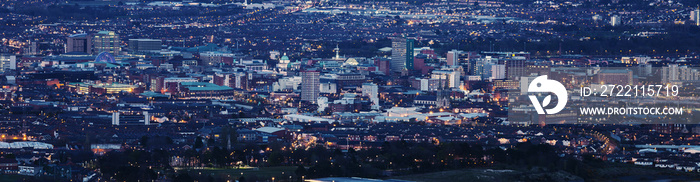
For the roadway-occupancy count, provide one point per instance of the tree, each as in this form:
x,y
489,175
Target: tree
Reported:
x,y
211,142
183,177
276,158
198,143
300,171
144,141
88,142
229,136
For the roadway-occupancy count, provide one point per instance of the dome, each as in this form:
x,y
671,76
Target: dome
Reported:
x,y
352,61
105,57
647,151
692,150
284,58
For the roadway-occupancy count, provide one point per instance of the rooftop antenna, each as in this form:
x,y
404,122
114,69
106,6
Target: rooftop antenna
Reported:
x,y
337,52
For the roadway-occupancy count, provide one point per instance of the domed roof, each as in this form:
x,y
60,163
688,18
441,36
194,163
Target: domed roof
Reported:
x,y
647,151
352,61
692,150
284,57
105,57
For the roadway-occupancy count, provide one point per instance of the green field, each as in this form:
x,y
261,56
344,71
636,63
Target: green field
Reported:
x,y
15,177
489,175
227,173
608,172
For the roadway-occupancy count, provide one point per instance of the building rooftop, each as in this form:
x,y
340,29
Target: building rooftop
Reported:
x,y
269,129
203,86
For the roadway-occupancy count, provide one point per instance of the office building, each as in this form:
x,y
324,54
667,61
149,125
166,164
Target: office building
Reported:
x,y
498,71
79,43
402,53
674,73
457,57
106,41
615,20
696,17
213,58
515,67
371,90
8,62
137,45
614,77
453,57
146,118
310,85
451,76
115,118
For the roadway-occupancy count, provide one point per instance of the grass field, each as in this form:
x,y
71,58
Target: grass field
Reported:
x,y
226,173
489,175
15,177
610,172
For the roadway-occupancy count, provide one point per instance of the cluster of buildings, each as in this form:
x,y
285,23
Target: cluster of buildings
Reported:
x,y
258,71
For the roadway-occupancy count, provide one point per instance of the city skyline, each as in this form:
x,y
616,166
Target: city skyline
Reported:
x,y
378,90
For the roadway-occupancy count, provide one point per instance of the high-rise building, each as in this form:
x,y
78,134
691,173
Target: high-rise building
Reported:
x,y
670,73
498,71
692,16
453,57
451,76
674,72
428,84
146,118
383,65
115,118
79,43
310,85
525,84
402,53
459,58
515,67
410,44
615,20
156,84
476,66
144,44
31,48
106,41
8,62
697,17
371,90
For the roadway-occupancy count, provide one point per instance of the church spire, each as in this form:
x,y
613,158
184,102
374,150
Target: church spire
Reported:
x,y
443,95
